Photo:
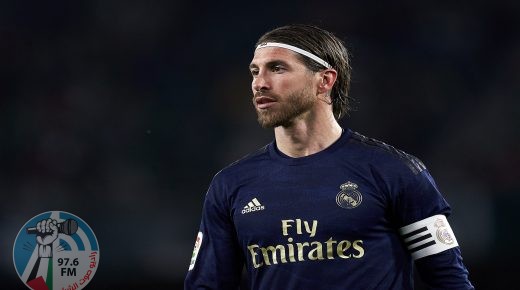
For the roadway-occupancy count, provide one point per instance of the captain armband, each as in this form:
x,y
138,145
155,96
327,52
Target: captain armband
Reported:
x,y
428,236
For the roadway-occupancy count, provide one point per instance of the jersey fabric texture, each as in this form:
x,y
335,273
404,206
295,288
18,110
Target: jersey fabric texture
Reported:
x,y
326,221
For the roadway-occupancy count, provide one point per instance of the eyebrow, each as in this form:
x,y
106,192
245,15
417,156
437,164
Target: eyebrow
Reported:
x,y
271,63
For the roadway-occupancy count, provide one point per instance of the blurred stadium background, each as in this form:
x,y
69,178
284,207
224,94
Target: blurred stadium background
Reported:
x,y
121,112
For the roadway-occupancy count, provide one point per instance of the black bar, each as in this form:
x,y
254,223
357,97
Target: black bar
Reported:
x,y
421,238
422,246
415,232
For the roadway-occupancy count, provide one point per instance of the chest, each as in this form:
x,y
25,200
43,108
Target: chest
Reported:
x,y
309,204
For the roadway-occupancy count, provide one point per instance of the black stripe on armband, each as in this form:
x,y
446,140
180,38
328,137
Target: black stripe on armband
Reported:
x,y
416,240
423,229
430,243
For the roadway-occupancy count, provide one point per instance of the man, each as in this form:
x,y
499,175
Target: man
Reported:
x,y
320,207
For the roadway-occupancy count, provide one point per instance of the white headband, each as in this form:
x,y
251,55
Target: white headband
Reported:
x,y
295,49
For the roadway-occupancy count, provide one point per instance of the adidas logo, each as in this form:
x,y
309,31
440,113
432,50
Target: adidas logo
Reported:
x,y
253,205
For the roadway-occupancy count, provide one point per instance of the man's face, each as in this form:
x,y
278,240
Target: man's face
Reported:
x,y
283,88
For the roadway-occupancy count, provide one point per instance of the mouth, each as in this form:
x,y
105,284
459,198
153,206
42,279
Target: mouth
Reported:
x,y
264,102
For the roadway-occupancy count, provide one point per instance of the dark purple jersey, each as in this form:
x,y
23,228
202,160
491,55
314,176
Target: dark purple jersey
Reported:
x,y
353,216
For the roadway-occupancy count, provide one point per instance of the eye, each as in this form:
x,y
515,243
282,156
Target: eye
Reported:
x,y
277,68
254,72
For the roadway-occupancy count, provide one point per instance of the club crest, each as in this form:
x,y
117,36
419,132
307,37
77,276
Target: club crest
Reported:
x,y
443,233
349,197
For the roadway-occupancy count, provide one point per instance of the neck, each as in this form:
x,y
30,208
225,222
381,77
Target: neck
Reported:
x,y
307,135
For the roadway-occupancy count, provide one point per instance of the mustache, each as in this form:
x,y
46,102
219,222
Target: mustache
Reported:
x,y
262,93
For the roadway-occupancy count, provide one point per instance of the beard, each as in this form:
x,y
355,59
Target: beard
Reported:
x,y
286,110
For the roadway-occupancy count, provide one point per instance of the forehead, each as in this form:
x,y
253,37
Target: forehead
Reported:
x,y
269,54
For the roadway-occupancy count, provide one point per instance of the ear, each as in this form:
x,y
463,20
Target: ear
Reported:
x,y
327,78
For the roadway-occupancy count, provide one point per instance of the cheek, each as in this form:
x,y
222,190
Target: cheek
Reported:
x,y
285,84
289,85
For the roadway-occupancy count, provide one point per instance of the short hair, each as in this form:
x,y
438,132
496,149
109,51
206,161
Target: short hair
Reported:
x,y
328,47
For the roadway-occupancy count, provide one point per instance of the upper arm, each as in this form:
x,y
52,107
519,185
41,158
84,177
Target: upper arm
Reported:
x,y
421,212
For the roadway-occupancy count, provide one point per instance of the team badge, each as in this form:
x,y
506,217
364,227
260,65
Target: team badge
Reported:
x,y
56,250
349,197
198,243
443,233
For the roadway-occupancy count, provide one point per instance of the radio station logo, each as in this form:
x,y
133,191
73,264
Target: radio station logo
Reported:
x,y
56,250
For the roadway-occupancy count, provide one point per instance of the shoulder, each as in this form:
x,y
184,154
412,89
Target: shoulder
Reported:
x,y
222,190
382,154
402,176
244,166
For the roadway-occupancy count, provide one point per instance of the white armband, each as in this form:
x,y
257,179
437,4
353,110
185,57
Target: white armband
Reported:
x,y
428,236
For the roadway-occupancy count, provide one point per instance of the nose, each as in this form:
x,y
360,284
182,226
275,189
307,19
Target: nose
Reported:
x,y
259,83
